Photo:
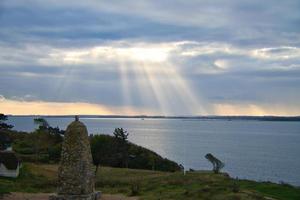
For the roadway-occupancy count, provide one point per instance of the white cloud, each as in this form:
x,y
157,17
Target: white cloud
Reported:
x,y
276,53
198,49
115,52
221,64
28,54
219,55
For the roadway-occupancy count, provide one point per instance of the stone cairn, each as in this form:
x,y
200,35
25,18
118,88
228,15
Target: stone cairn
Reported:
x,y
76,178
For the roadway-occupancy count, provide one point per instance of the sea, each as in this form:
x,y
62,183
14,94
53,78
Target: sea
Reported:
x,y
251,149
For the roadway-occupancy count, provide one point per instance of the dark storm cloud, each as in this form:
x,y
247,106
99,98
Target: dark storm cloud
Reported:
x,y
232,21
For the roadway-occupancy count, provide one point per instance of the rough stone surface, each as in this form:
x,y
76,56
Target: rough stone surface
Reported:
x,y
75,173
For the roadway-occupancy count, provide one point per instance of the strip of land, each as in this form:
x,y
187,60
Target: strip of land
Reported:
x,y
208,117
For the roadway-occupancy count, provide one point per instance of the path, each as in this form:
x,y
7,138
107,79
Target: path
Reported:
x,y
43,196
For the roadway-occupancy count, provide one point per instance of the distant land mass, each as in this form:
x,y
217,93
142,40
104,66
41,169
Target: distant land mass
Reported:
x,y
209,117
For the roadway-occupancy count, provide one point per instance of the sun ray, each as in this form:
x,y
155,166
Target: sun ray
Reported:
x,y
182,90
64,81
156,86
126,92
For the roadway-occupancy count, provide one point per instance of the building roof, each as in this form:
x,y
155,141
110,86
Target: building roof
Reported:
x,y
9,160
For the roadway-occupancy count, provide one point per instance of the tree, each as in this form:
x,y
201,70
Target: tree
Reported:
x,y
44,125
3,125
41,122
108,150
217,164
5,141
121,134
56,131
123,146
104,150
44,142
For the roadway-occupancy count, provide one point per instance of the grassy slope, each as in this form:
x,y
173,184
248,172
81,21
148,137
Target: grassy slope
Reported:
x,y
152,185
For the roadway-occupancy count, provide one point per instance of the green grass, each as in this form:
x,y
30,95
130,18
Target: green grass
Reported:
x,y
27,182
279,191
154,185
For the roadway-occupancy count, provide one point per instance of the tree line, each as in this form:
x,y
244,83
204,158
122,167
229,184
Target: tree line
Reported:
x,y
44,144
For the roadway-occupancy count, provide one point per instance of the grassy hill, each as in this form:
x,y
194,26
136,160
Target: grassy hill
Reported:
x,y
44,146
154,185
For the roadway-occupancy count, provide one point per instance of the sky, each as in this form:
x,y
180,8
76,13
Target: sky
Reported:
x,y
150,57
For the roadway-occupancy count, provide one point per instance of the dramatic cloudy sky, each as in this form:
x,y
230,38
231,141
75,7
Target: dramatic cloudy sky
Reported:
x,y
165,57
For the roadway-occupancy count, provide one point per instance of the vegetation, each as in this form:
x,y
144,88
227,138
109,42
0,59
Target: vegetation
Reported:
x,y
41,122
44,146
116,151
3,125
122,145
153,185
217,164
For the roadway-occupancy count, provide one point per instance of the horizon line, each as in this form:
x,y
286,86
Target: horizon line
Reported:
x,y
156,116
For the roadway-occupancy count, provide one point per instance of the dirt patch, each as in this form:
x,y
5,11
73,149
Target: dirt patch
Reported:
x,y
25,196
43,196
117,197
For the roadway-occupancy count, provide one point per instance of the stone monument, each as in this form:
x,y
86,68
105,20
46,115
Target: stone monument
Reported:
x,y
76,178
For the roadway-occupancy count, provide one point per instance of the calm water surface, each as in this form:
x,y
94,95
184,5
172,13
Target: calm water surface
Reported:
x,y
257,150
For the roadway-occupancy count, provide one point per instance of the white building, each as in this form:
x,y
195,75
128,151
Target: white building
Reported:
x,y
9,164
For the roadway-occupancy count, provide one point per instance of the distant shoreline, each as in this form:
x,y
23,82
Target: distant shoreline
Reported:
x,y
209,117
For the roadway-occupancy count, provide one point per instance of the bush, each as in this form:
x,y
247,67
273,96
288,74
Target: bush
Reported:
x,y
109,151
135,189
235,187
